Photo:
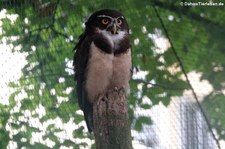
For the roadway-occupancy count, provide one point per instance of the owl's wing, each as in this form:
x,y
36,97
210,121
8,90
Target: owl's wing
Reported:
x,y
80,63
80,66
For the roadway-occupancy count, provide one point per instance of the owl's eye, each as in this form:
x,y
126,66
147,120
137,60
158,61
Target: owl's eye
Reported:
x,y
119,21
105,21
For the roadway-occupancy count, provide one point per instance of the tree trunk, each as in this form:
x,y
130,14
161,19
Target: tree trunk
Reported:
x,y
111,123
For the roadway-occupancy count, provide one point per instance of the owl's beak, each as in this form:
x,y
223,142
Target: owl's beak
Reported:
x,y
113,28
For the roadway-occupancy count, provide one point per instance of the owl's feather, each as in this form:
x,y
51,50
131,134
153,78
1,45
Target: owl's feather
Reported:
x,y
80,62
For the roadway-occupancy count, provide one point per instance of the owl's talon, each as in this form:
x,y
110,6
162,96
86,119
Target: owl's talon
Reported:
x,y
100,98
115,89
121,90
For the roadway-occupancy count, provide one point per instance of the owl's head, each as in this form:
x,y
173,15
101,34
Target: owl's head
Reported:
x,y
107,20
109,31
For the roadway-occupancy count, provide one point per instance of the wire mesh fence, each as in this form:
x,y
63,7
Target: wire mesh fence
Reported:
x,y
172,88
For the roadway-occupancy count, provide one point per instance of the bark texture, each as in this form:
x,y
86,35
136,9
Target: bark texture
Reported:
x,y
111,121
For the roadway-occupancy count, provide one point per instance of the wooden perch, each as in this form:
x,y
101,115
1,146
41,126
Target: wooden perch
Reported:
x,y
111,122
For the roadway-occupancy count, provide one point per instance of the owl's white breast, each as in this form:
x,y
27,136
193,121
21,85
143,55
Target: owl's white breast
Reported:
x,y
107,71
122,65
99,72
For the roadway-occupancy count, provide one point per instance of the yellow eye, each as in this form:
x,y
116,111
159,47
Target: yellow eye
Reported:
x,y
119,21
105,21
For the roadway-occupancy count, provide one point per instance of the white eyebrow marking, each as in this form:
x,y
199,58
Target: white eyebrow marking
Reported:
x,y
120,17
104,16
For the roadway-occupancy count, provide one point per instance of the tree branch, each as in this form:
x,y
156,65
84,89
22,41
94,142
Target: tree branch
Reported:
x,y
158,85
111,124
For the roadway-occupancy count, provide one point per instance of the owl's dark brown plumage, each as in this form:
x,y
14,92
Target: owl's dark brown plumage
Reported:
x,y
102,59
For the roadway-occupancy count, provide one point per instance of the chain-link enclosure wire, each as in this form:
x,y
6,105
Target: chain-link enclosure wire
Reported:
x,y
172,90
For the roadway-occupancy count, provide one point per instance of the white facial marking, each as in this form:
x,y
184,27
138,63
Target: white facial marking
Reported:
x,y
105,16
112,38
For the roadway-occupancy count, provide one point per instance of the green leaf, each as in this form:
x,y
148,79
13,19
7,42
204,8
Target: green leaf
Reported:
x,y
68,143
140,121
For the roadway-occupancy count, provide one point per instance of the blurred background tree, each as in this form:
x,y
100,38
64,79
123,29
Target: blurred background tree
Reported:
x,y
47,31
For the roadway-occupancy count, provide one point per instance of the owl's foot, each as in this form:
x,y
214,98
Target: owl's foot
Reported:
x,y
119,90
115,89
101,97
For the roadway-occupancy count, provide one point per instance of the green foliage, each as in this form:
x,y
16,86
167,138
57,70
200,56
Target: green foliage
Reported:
x,y
4,134
215,107
48,38
140,121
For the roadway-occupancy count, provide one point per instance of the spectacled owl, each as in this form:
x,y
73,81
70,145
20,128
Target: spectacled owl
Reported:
x,y
102,59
